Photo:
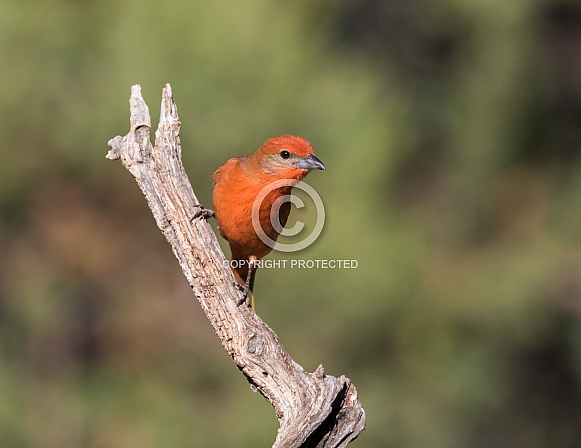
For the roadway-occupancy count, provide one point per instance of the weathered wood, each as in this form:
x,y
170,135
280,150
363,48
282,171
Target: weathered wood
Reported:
x,y
313,409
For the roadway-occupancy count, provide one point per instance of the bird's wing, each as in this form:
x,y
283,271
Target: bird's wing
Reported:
x,y
227,166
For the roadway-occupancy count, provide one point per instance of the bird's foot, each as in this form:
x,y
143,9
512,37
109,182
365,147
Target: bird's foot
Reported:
x,y
203,212
244,289
247,295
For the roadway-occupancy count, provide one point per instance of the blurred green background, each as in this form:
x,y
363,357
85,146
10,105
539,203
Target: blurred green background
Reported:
x,y
451,132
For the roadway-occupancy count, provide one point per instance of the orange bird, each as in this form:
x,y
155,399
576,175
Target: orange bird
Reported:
x,y
239,181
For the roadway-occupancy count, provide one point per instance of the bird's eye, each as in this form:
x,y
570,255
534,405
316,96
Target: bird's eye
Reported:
x,y
285,154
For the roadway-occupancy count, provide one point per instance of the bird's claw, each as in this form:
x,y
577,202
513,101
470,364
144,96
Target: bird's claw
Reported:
x,y
244,290
203,212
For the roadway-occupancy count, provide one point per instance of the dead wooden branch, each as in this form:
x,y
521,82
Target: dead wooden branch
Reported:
x,y
313,409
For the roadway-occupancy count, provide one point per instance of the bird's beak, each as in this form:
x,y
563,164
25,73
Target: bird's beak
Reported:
x,y
311,163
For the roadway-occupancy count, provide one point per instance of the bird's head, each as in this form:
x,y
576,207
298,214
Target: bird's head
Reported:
x,y
287,157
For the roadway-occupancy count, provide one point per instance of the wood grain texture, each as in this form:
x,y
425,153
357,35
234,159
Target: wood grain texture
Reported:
x,y
313,409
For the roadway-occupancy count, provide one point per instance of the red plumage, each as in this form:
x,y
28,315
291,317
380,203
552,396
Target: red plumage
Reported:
x,y
238,182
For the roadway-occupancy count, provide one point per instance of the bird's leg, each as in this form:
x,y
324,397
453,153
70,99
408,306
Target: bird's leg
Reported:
x,y
252,265
203,212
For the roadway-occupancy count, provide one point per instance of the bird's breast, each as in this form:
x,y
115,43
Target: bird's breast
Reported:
x,y
242,221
